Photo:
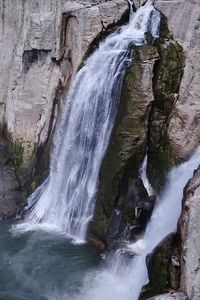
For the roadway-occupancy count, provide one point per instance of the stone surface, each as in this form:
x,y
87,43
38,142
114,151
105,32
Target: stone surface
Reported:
x,y
42,44
138,3
129,139
183,130
170,296
164,267
166,83
10,190
183,18
190,233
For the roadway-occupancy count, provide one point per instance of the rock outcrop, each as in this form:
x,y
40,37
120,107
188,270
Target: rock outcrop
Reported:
x,y
42,44
10,190
183,131
126,151
170,296
183,19
190,234
166,83
164,267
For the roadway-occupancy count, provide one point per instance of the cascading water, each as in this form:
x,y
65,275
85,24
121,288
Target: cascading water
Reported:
x,y
126,273
163,221
144,178
65,202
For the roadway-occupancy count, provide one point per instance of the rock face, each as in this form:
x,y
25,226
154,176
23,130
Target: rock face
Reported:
x,y
127,146
42,44
183,19
166,83
164,267
170,296
183,131
138,3
190,234
10,189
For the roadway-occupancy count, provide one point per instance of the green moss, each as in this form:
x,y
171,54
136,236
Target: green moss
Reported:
x,y
159,273
163,275
166,82
168,72
16,154
128,141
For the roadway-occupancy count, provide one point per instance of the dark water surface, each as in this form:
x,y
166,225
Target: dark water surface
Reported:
x,y
40,265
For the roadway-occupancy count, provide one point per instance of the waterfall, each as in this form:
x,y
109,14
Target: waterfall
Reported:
x,y
126,272
65,201
162,223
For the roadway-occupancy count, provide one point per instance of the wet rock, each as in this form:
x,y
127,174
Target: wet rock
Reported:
x,y
43,42
139,3
183,129
164,267
190,236
170,296
128,221
10,191
100,245
149,38
128,142
166,82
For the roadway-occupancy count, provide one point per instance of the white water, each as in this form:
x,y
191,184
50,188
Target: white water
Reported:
x,y
125,276
131,9
65,201
144,178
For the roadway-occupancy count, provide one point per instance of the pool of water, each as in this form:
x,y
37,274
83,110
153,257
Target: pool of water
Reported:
x,y
43,266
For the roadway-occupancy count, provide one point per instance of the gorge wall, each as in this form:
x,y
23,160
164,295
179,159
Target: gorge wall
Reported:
x,y
42,45
183,132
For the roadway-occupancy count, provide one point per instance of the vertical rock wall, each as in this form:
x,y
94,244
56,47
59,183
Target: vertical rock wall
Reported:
x,y
42,44
184,22
119,186
190,234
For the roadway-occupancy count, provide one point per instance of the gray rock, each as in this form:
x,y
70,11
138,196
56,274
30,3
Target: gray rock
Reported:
x,y
184,126
190,234
10,192
117,185
169,296
35,37
139,3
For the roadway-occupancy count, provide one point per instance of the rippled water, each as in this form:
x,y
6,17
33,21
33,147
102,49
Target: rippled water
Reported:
x,y
40,266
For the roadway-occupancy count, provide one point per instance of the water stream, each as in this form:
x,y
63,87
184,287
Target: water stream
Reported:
x,y
39,265
126,270
144,178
